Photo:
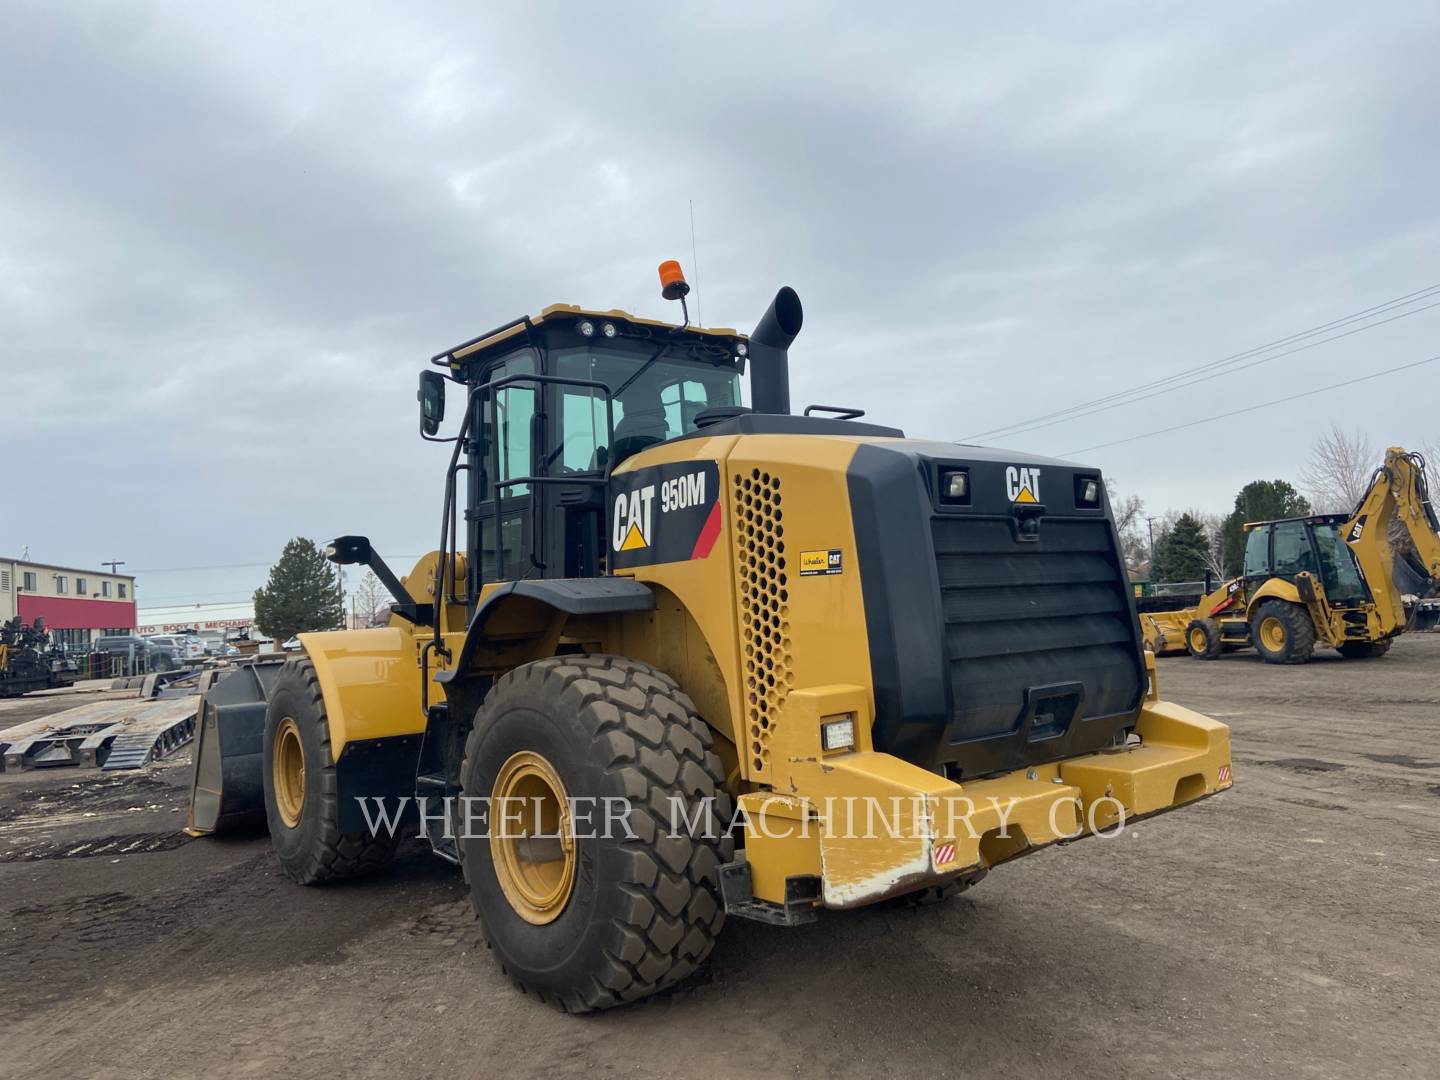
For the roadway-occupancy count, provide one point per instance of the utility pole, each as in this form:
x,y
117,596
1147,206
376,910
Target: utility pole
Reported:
x,y
1150,524
113,563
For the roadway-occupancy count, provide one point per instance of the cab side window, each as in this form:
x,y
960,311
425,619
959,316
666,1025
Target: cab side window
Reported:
x,y
1292,549
508,416
1257,552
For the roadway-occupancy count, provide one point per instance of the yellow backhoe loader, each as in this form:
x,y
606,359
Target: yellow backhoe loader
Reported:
x,y
676,659
1325,579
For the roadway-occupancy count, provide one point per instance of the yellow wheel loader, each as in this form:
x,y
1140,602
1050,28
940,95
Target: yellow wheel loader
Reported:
x,y
676,659
1325,579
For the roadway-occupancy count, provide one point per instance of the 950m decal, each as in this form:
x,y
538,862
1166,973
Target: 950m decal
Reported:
x,y
666,513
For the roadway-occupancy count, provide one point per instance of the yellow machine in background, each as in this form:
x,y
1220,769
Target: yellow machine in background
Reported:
x,y
1326,579
902,662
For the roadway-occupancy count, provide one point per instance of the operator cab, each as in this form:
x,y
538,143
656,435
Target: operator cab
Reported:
x,y
1311,545
555,404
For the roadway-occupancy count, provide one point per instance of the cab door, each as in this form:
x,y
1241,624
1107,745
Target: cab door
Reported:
x,y
500,518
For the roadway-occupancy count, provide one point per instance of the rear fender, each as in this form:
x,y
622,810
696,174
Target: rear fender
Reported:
x,y
521,621
1276,589
1310,595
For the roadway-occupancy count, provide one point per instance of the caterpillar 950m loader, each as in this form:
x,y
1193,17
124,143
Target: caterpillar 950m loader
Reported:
x,y
1325,579
675,659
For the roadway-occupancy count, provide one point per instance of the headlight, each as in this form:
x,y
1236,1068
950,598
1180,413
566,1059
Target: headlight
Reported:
x,y
741,348
586,327
1087,492
838,734
608,329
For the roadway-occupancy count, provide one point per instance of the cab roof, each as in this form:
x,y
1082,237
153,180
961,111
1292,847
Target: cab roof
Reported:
x,y
502,335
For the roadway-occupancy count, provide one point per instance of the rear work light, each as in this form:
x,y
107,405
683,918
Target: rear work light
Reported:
x,y
955,486
1087,492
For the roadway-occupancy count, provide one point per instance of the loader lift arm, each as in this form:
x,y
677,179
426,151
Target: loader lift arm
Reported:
x,y
1398,493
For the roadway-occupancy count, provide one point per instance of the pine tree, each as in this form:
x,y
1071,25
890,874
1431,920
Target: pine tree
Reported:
x,y
1182,555
302,594
1259,500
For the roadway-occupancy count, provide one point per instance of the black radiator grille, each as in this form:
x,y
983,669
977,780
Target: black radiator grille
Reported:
x,y
1023,615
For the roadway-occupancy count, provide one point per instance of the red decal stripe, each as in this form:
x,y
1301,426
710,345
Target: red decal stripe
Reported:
x,y
706,540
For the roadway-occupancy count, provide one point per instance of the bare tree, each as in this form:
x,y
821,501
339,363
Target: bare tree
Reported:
x,y
368,600
1129,511
1338,472
1215,547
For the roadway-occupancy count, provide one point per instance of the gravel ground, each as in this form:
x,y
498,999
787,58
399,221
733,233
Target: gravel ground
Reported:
x,y
1290,927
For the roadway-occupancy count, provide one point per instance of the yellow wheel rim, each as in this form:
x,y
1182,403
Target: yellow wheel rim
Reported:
x,y
1197,640
1272,633
287,764
532,841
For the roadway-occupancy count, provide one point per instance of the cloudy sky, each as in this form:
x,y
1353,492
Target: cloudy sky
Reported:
x,y
229,235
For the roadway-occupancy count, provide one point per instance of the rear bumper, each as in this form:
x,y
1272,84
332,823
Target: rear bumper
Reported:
x,y
870,826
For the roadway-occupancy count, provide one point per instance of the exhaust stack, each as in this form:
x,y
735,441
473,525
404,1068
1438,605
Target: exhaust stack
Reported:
x,y
770,355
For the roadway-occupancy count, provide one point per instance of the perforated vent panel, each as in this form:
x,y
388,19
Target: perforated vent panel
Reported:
x,y
763,594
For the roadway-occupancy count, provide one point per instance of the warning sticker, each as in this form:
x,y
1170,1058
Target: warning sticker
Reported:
x,y
813,563
944,854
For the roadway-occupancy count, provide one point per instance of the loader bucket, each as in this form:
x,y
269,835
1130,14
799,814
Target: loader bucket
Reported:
x,y
226,789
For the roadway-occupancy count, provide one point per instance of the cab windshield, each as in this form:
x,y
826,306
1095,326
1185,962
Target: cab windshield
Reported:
x,y
1338,572
654,400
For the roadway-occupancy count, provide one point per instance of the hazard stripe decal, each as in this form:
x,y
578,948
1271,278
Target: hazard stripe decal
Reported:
x,y
708,534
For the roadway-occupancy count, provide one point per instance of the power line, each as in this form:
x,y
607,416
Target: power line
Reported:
x,y
232,566
1254,408
153,601
218,566
1217,374
1399,301
192,607
1087,406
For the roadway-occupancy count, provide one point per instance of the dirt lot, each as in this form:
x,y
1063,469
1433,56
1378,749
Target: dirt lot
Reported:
x,y
1289,927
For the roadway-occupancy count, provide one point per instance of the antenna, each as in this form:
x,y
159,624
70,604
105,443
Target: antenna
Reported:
x,y
695,264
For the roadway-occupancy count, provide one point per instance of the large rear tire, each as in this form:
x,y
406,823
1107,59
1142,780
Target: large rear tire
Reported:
x,y
1282,632
1363,650
301,805
597,918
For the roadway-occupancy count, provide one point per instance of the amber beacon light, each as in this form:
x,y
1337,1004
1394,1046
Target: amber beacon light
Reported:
x,y
673,285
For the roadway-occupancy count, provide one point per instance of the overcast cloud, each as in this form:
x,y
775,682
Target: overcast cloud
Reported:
x,y
230,236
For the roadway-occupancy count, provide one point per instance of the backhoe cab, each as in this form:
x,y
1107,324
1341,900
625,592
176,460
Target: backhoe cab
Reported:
x,y
1324,579
676,658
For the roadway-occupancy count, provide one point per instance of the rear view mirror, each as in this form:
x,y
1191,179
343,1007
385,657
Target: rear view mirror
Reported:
x,y
431,396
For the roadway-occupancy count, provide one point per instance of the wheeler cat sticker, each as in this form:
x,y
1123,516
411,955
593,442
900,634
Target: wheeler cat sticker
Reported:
x,y
825,562
666,513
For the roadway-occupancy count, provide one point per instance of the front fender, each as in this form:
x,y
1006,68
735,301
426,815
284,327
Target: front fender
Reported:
x,y
370,680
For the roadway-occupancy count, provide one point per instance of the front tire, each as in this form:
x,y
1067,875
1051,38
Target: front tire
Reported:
x,y
1202,639
301,804
596,918
1282,632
